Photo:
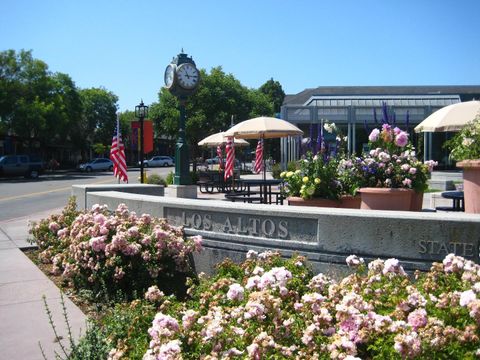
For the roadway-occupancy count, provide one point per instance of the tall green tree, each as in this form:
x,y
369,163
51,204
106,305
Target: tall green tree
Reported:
x,y
274,91
99,115
34,103
25,104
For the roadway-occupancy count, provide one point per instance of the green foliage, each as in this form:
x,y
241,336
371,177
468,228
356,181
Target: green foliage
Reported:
x,y
156,180
92,346
45,107
276,170
292,166
127,327
99,114
465,145
170,177
99,149
274,91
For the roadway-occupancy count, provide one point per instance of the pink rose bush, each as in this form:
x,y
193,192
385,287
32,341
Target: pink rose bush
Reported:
x,y
270,308
110,252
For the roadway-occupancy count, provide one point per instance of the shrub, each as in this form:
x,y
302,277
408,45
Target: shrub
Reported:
x,y
292,166
276,170
156,179
169,178
106,254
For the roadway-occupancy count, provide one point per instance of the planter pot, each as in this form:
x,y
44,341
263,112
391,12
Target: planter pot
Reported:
x,y
350,202
320,202
386,199
416,202
471,185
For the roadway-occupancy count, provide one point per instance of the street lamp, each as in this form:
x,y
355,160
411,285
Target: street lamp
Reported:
x,y
141,111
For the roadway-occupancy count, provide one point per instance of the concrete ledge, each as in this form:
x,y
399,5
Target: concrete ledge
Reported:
x,y
325,235
80,191
182,191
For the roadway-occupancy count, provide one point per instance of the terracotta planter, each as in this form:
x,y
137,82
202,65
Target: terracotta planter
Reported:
x,y
386,199
350,202
320,202
471,185
416,202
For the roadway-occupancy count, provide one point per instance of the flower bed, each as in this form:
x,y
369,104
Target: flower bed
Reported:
x,y
269,308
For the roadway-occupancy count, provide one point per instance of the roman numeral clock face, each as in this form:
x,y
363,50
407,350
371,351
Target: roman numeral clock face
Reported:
x,y
188,76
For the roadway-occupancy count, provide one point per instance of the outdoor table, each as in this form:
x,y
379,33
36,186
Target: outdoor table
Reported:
x,y
457,197
265,188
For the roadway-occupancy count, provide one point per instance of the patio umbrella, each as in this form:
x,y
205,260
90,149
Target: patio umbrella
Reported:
x,y
263,128
220,139
450,118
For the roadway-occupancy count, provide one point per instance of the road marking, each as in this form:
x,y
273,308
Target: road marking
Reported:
x,y
48,191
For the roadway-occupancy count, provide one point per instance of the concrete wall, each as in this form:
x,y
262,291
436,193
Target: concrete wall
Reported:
x,y
81,191
325,235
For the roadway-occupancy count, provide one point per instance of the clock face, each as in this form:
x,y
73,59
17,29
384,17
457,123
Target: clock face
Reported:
x,y
188,76
169,75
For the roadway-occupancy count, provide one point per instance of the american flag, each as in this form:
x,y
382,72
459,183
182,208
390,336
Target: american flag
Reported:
x,y
230,149
117,155
258,167
220,157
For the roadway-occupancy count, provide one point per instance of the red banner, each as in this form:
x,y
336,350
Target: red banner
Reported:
x,y
147,135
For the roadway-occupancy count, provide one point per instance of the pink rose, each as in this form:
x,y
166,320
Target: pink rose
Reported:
x,y
401,139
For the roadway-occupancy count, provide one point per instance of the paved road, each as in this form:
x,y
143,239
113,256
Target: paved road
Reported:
x,y
21,197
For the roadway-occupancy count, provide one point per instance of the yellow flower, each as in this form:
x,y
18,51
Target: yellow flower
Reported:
x,y
289,174
317,181
305,179
298,172
282,174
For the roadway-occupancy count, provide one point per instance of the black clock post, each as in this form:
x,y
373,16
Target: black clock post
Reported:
x,y
181,79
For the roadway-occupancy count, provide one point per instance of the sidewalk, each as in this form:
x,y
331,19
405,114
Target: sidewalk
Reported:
x,y
23,319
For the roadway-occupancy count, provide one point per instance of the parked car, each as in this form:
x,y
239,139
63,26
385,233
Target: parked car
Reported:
x,y
21,165
158,161
99,164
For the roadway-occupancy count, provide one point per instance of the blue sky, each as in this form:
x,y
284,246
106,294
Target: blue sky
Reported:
x,y
125,46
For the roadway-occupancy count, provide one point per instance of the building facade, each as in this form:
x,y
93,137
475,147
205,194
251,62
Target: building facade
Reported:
x,y
356,110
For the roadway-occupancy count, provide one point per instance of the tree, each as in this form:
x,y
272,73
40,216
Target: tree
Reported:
x,y
24,93
273,90
99,115
34,103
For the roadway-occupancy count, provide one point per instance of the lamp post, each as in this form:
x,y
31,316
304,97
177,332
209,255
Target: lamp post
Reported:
x,y
141,111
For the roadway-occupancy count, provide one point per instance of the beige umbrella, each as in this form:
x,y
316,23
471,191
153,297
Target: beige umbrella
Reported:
x,y
450,118
219,139
263,128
